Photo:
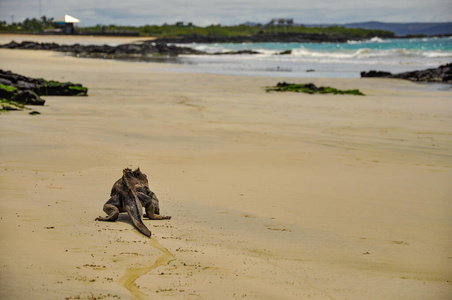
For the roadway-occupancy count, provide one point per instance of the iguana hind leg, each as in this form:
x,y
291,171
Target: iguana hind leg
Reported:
x,y
153,216
112,213
111,208
151,206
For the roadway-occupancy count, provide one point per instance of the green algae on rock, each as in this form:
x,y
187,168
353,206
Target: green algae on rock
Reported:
x,y
13,98
310,88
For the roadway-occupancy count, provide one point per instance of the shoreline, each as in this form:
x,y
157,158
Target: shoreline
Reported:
x,y
272,195
242,61
227,60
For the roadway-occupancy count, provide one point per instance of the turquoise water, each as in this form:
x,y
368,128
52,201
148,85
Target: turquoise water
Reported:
x,y
324,59
417,44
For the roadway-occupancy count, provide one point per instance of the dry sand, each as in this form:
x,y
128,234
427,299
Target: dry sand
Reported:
x,y
273,196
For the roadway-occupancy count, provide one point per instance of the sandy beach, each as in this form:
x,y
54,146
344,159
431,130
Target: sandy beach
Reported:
x,y
272,195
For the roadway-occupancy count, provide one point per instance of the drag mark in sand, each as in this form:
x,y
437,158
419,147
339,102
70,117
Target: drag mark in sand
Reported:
x,y
132,274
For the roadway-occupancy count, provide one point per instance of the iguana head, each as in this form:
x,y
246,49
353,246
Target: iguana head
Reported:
x,y
127,173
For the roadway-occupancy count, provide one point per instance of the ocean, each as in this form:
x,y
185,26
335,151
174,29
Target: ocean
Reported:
x,y
345,60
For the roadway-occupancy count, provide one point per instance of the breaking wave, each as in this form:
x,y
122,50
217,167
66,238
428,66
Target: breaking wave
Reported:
x,y
393,55
374,47
375,39
369,53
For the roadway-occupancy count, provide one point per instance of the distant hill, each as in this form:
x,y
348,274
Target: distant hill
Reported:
x,y
401,29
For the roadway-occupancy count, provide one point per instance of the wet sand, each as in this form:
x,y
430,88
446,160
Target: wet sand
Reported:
x,y
273,196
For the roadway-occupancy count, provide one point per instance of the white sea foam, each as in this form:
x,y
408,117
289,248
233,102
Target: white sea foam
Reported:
x,y
369,53
375,39
394,55
437,54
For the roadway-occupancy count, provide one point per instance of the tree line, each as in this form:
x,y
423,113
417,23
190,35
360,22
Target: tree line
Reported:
x,y
28,25
181,29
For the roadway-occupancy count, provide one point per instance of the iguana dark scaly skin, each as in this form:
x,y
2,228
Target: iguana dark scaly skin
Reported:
x,y
130,194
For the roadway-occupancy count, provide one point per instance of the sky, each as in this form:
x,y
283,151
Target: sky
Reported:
x,y
228,12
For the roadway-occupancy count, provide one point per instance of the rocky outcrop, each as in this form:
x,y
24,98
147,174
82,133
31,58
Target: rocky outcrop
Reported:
x,y
111,51
17,90
237,52
374,73
441,74
287,37
142,51
41,86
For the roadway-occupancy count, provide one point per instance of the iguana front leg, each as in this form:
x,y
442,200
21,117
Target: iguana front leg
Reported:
x,y
111,208
151,206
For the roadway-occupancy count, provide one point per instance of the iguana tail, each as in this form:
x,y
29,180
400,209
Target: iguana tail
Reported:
x,y
133,205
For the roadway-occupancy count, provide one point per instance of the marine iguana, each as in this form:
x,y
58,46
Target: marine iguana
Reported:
x,y
129,194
